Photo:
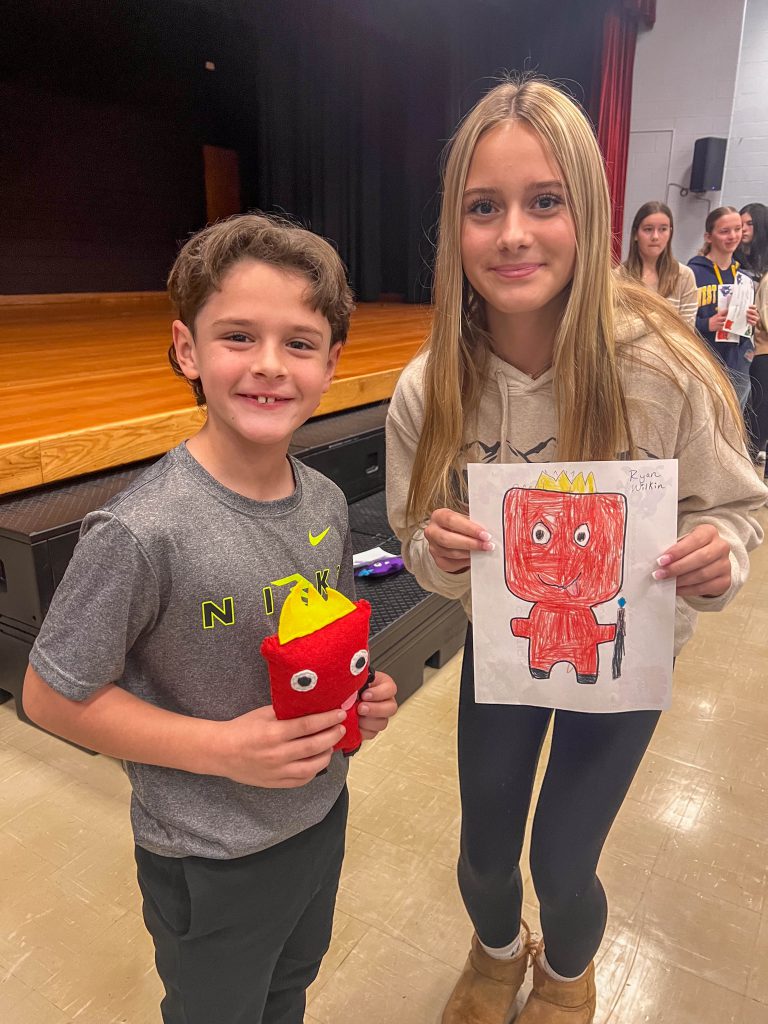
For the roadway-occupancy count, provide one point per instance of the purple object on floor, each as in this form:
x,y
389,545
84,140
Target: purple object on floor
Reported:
x,y
382,567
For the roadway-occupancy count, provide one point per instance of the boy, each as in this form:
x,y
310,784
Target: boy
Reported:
x,y
150,650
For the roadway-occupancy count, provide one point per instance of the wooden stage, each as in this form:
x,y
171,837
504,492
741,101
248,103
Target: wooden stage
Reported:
x,y
85,382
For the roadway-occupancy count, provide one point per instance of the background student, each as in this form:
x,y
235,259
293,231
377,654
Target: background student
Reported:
x,y
758,420
713,267
650,260
752,255
752,252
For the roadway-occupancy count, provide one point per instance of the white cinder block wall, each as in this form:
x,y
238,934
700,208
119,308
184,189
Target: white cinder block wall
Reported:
x,y
683,89
746,164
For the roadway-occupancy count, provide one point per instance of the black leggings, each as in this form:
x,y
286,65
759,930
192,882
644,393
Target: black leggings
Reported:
x,y
758,412
592,762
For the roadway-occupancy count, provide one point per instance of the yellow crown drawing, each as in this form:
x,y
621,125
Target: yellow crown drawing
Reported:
x,y
305,610
564,483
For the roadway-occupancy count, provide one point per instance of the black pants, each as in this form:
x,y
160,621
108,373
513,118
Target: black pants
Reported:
x,y
239,941
592,762
757,420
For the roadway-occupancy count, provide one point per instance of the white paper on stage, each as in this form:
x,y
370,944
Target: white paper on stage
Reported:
x,y
575,546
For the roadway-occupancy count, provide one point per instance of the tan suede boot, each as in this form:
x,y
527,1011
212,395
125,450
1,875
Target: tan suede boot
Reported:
x,y
559,1002
487,988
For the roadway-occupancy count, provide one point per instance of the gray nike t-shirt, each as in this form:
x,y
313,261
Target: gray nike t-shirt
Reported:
x,y
170,591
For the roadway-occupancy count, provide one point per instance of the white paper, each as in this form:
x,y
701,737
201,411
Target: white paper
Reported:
x,y
369,556
735,299
572,558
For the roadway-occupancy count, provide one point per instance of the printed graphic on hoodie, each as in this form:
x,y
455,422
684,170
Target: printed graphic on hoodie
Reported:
x,y
479,451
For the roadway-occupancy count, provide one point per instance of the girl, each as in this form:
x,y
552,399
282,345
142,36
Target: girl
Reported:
x,y
752,254
650,260
715,266
538,352
758,421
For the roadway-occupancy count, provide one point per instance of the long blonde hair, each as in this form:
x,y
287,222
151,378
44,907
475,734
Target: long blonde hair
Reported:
x,y
667,267
593,420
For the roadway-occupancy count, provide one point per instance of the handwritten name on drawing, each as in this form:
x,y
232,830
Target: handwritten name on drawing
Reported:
x,y
649,480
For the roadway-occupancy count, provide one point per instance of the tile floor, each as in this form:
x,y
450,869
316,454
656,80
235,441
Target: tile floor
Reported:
x,y
686,866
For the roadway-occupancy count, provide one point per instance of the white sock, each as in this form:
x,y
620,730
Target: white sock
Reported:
x,y
544,965
504,952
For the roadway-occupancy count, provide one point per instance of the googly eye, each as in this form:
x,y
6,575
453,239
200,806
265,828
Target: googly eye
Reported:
x,y
541,534
358,662
304,680
581,535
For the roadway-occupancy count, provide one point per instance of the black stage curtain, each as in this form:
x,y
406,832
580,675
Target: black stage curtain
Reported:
x,y
338,109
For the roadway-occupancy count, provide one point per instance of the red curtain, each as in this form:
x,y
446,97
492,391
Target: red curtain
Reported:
x,y
618,58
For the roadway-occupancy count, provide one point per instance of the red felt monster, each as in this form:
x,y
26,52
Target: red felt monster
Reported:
x,y
564,551
319,658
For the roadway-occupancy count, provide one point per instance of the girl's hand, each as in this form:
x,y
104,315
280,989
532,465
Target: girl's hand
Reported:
x,y
377,705
753,317
717,321
699,562
451,536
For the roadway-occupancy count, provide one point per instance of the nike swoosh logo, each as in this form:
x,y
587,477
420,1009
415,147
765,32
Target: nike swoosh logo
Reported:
x,y
314,541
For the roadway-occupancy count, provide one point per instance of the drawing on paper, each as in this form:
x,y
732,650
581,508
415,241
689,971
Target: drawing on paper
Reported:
x,y
564,552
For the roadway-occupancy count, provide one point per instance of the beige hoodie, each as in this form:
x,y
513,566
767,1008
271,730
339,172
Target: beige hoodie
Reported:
x,y
516,423
761,331
684,297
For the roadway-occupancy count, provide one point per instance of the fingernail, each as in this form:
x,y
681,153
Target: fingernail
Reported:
x,y
362,709
489,546
664,560
659,574
343,731
484,535
341,715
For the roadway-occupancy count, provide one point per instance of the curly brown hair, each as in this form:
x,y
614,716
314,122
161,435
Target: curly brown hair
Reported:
x,y
206,257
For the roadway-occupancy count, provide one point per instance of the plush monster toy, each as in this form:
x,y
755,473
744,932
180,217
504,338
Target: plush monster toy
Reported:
x,y
319,658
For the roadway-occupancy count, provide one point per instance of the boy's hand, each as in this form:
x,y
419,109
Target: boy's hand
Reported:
x,y
700,562
717,322
377,705
753,317
264,751
451,536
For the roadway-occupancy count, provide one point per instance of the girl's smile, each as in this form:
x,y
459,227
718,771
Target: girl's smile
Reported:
x,y
517,270
724,237
518,246
517,240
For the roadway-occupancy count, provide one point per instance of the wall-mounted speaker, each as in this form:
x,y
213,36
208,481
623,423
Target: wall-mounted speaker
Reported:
x,y
708,165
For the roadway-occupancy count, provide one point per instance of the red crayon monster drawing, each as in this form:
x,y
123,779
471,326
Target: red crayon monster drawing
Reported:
x,y
319,658
564,552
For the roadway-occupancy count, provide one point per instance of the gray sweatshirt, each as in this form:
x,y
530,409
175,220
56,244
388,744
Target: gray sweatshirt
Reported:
x,y
169,593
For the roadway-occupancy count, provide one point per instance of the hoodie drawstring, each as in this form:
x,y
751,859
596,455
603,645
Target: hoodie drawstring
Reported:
x,y
501,383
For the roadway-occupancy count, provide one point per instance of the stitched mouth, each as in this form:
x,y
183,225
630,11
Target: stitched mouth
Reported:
x,y
558,586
